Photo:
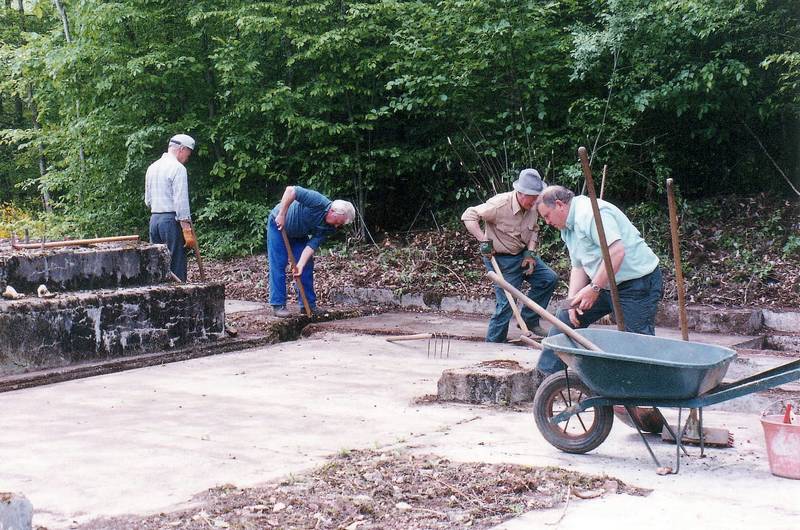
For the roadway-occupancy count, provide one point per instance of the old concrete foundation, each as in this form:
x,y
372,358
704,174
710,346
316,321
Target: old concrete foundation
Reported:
x,y
109,302
77,269
498,382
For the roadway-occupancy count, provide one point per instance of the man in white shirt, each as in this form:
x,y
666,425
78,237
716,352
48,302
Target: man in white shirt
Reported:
x,y
166,193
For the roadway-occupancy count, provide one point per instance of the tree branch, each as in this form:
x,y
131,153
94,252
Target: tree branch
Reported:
x,y
777,167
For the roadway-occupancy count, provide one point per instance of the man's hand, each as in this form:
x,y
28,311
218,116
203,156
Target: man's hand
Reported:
x,y
487,248
585,298
280,219
188,234
528,262
297,270
573,317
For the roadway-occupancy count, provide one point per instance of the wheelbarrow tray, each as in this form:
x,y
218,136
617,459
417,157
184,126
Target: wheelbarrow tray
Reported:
x,y
643,366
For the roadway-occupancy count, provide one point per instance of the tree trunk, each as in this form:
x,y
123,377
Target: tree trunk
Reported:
x,y
46,202
68,37
64,20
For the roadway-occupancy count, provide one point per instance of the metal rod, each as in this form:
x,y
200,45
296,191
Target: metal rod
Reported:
x,y
644,439
598,220
73,242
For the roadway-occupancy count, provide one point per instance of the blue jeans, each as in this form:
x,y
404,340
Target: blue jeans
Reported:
x,y
278,259
165,230
639,300
542,281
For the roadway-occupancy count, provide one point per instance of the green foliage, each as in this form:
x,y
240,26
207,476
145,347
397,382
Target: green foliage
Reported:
x,y
792,247
403,107
232,228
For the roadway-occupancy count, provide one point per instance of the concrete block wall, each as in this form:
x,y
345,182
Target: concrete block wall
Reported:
x,y
93,325
70,269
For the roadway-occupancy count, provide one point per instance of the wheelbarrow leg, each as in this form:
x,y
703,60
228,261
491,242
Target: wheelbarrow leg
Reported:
x,y
644,439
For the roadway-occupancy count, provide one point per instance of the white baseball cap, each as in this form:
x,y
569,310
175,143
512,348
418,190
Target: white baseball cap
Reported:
x,y
183,139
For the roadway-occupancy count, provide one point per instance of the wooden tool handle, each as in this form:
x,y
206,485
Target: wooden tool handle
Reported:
x,y
196,249
514,309
676,254
73,242
598,221
530,342
297,281
542,312
417,336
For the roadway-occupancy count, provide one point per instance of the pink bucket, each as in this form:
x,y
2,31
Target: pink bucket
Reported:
x,y
783,446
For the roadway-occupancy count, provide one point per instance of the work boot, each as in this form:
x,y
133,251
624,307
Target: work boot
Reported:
x,y
280,311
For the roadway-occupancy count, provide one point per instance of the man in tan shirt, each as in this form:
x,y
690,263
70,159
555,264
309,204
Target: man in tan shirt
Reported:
x,y
510,234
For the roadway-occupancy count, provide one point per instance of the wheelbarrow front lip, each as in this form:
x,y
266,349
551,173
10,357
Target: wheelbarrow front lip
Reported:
x,y
696,355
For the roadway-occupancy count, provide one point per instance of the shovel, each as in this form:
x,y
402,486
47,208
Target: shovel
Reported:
x,y
297,281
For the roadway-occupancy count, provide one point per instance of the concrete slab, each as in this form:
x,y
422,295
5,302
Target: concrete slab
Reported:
x,y
473,327
146,440
242,306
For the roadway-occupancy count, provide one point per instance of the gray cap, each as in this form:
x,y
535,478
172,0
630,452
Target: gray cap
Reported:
x,y
529,182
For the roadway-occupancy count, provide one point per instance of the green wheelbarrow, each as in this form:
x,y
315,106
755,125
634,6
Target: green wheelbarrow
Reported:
x,y
574,408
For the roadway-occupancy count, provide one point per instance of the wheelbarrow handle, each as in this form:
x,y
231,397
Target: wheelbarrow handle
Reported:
x,y
542,312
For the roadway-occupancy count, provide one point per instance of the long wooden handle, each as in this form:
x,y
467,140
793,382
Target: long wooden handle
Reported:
x,y
74,242
598,221
196,248
530,342
676,254
297,281
542,312
416,336
521,323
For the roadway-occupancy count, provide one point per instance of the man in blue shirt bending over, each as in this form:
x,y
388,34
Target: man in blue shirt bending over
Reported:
x,y
308,217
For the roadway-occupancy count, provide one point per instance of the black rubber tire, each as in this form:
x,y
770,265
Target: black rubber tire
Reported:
x,y
581,432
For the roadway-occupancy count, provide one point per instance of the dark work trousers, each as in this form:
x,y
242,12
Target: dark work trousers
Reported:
x,y
639,300
542,283
165,230
278,259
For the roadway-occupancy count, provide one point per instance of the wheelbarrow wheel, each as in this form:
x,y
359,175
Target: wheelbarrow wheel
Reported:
x,y
580,433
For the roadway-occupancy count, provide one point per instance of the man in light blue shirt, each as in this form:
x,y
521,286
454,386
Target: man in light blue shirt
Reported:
x,y
635,265
308,217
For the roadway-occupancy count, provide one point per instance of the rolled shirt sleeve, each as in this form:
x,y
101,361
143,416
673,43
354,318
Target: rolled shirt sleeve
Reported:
x,y
306,217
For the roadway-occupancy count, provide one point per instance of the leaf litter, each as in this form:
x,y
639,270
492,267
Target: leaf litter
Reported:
x,y
394,490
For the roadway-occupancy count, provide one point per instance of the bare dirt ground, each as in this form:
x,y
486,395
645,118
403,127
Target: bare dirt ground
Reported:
x,y
383,490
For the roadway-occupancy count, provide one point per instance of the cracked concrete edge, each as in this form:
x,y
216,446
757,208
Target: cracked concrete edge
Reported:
x,y
274,331
701,318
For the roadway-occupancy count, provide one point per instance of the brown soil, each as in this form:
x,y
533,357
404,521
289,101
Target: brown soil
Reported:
x,y
446,263
383,490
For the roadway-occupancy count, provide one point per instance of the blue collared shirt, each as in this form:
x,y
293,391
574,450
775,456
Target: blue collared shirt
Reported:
x,y
305,217
583,243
